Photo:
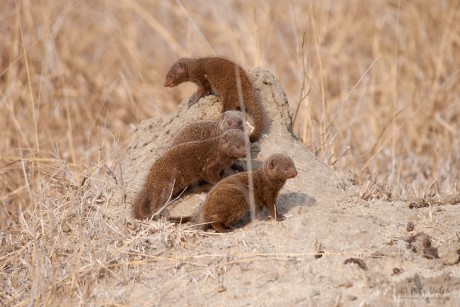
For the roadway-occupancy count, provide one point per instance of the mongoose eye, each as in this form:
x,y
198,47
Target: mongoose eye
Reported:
x,y
240,123
229,122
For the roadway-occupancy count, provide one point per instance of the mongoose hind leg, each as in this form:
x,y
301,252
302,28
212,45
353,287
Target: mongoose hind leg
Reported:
x,y
219,227
200,187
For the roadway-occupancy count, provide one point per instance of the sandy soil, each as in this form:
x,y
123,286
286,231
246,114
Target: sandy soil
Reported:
x,y
337,246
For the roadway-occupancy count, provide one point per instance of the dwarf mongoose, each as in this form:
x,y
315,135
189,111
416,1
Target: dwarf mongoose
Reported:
x,y
185,164
205,129
228,200
218,74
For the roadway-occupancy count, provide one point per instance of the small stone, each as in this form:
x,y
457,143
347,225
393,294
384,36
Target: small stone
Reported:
x,y
352,297
410,227
66,227
430,252
346,284
358,261
419,242
221,289
396,271
449,254
315,293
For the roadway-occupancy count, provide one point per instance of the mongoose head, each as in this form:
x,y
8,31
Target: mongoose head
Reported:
x,y
231,120
232,143
280,166
176,74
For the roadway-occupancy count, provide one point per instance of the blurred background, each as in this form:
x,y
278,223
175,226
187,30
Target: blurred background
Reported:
x,y
373,86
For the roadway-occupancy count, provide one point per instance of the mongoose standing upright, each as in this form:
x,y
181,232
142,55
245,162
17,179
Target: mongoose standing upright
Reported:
x,y
205,129
219,74
185,164
228,200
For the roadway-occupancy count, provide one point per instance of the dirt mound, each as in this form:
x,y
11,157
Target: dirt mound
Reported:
x,y
316,184
333,248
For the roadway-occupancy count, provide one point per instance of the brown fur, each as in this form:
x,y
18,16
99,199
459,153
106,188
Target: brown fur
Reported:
x,y
206,129
186,164
228,200
215,73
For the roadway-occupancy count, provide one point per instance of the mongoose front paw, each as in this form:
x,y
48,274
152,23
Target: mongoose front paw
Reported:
x,y
238,167
280,217
193,99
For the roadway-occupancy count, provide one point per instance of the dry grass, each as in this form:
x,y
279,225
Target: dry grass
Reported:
x,y
374,87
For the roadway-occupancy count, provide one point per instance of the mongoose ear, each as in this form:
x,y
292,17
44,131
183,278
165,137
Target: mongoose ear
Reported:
x,y
272,163
181,66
